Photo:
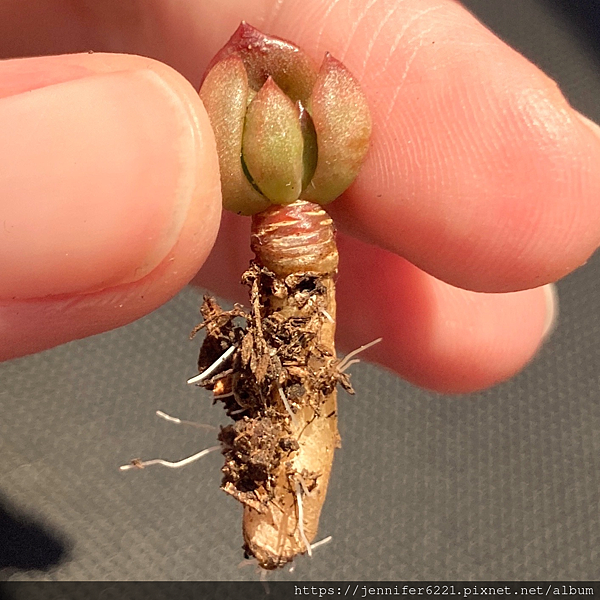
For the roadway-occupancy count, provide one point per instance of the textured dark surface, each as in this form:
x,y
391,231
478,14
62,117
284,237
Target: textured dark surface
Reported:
x,y
501,485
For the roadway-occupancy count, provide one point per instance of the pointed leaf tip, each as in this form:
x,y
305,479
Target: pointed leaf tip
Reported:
x,y
263,55
342,123
272,144
225,96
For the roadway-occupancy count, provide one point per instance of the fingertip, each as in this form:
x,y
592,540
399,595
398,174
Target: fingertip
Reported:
x,y
124,210
590,125
436,336
483,339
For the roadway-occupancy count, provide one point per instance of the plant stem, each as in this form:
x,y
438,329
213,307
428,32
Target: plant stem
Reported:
x,y
282,388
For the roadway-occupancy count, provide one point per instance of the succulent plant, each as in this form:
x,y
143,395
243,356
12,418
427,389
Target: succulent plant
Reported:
x,y
288,135
285,130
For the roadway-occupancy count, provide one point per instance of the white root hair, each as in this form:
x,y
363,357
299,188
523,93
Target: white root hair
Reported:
x,y
349,364
288,407
139,464
301,519
321,542
305,489
347,360
313,547
166,417
213,368
327,315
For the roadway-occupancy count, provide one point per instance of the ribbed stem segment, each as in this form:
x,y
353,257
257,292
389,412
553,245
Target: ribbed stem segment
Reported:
x,y
296,238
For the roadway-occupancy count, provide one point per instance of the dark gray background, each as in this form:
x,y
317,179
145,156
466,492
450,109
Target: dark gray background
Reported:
x,y
500,485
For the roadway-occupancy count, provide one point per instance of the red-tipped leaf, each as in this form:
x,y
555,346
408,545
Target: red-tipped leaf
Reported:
x,y
342,122
263,55
225,96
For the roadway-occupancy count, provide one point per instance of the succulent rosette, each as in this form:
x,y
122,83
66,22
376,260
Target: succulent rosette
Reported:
x,y
285,129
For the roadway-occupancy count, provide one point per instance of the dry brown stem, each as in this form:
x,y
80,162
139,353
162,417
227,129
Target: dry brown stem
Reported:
x,y
279,385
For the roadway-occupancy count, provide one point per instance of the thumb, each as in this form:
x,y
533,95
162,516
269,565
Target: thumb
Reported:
x,y
109,194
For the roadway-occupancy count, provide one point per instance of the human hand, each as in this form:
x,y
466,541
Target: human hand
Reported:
x,y
479,173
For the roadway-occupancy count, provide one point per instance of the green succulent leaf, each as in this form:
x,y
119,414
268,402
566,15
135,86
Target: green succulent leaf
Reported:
x,y
342,122
267,56
273,145
225,96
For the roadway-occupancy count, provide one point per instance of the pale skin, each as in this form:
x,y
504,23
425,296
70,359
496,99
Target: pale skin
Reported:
x,y
480,174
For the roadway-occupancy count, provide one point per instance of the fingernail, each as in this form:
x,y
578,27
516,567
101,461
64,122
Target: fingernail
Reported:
x,y
551,295
97,177
593,127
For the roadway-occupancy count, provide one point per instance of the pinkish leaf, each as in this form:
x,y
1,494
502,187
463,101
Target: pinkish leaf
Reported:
x,y
272,146
225,96
291,68
342,122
